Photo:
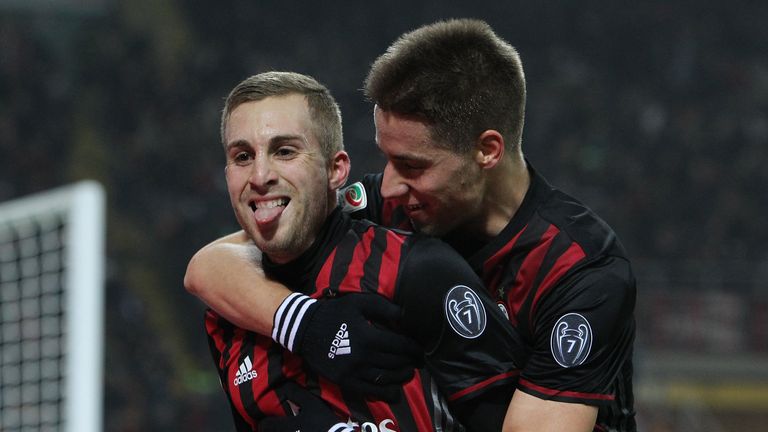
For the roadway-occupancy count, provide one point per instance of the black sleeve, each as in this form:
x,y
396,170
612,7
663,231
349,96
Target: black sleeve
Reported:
x,y
599,298
471,349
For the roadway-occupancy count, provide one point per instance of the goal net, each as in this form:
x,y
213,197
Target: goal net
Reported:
x,y
51,310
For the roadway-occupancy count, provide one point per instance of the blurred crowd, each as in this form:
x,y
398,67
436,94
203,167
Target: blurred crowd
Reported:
x,y
653,114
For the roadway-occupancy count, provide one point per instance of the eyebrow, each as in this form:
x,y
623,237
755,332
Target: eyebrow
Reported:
x,y
236,143
408,157
402,157
277,139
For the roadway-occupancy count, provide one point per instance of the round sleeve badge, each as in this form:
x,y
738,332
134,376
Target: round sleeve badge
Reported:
x,y
571,340
465,312
352,198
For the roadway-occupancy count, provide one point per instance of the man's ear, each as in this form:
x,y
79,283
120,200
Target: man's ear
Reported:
x,y
338,170
489,149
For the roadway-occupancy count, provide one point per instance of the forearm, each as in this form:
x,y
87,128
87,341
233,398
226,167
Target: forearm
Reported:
x,y
528,413
227,276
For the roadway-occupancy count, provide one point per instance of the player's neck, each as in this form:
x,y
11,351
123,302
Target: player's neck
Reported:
x,y
503,193
506,189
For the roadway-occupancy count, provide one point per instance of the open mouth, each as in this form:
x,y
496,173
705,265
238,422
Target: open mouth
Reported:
x,y
412,208
268,211
265,205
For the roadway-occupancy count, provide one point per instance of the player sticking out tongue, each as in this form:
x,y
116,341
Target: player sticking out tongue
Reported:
x,y
267,211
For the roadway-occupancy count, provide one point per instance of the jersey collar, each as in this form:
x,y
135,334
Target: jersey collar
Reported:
x,y
538,192
297,273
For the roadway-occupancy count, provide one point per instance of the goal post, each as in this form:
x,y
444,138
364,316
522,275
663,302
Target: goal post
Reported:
x,y
52,256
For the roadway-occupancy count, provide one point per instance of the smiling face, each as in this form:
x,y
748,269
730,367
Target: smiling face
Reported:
x,y
439,189
280,185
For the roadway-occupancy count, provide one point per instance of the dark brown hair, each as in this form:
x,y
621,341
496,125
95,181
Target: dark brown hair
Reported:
x,y
457,75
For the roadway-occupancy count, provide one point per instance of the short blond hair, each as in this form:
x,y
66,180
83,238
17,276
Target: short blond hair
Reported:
x,y
323,109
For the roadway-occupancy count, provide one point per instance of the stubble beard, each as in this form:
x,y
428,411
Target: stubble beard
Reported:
x,y
292,239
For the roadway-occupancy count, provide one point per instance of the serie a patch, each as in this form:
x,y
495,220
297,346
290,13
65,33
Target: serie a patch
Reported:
x,y
352,198
571,340
465,312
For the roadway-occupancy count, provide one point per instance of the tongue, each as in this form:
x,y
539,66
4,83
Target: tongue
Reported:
x,y
267,215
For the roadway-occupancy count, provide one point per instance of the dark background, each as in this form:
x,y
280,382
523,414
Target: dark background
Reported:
x,y
652,113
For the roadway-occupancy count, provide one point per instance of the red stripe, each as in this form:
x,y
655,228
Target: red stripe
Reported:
x,y
482,384
493,269
527,274
323,279
264,395
351,281
390,263
293,368
564,393
380,410
415,396
564,263
331,394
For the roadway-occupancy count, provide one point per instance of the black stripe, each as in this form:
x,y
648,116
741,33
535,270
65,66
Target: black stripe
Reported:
x,y
343,257
403,414
358,409
246,390
441,410
275,376
439,414
220,357
398,219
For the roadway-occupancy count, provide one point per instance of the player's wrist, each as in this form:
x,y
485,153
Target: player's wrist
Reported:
x,y
287,329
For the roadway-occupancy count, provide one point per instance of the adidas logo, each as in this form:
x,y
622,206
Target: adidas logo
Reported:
x,y
340,344
246,372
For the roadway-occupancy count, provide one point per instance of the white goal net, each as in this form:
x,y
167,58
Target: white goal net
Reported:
x,y
51,310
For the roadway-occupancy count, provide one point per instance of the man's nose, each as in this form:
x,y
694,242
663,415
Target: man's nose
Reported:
x,y
392,185
263,173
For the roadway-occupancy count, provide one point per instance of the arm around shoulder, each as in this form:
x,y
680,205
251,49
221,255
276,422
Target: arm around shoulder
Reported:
x,y
227,276
203,263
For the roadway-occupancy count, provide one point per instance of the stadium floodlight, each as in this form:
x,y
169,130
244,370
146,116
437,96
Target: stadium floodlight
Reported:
x,y
51,310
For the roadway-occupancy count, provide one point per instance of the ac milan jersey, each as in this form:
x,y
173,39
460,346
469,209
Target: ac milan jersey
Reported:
x,y
471,351
568,289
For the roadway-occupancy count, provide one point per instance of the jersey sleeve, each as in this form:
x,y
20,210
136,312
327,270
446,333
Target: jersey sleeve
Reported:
x,y
584,331
471,349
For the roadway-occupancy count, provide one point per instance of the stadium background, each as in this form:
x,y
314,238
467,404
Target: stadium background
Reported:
x,y
653,113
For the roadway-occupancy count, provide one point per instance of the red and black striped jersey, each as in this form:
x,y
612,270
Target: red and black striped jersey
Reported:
x,y
432,284
568,289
